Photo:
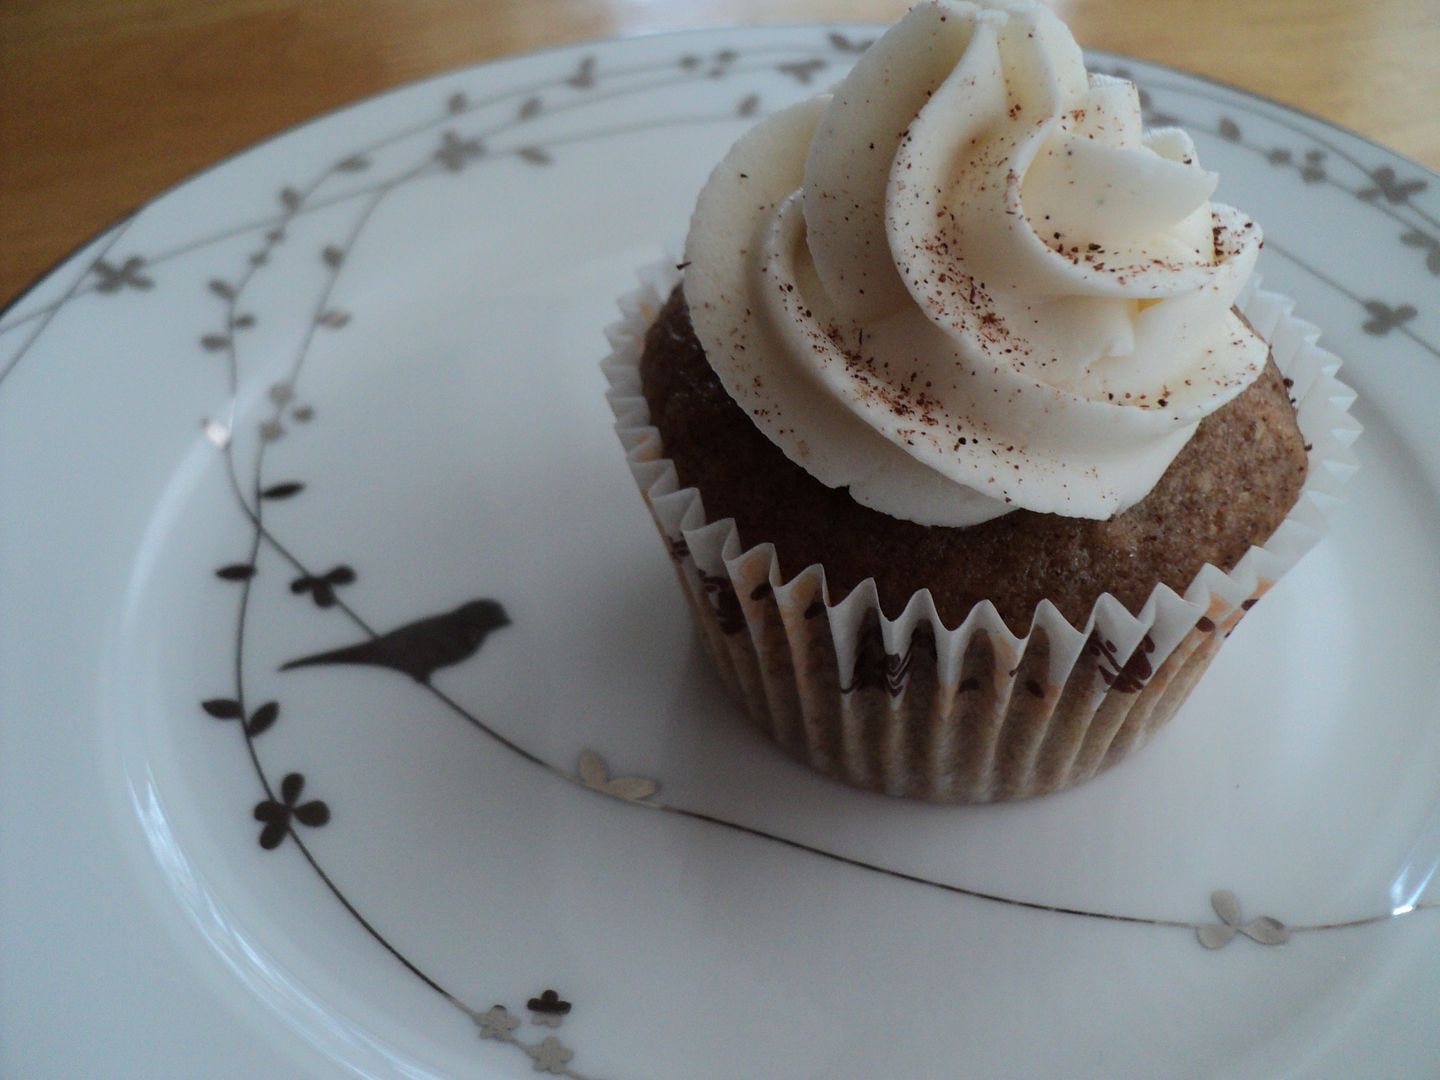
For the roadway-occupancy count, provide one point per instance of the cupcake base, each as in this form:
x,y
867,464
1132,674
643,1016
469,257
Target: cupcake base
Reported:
x,y
974,712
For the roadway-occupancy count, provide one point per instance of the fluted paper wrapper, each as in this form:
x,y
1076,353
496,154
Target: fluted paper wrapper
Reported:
x,y
973,713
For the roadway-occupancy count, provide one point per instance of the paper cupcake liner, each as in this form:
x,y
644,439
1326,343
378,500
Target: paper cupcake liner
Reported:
x,y
974,713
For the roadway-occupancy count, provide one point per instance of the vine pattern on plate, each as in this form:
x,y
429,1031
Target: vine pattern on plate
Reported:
x,y
417,649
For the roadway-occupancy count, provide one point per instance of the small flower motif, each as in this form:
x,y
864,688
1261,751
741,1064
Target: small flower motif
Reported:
x,y
271,430
550,1055
455,152
278,815
549,1009
1262,931
1388,185
1312,171
720,63
322,588
802,70
1278,156
126,275
1384,318
496,1023
584,76
281,393
850,45
1429,244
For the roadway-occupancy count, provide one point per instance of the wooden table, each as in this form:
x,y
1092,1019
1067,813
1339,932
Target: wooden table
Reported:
x,y
104,103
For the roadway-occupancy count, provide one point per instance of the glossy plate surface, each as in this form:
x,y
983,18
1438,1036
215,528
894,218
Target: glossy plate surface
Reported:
x,y
347,381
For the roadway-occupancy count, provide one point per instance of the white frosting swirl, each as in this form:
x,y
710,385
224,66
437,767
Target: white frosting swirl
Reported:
x,y
965,282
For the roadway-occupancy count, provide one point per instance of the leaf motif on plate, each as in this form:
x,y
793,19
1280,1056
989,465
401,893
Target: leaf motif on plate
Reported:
x,y
584,76
1215,935
1226,906
596,776
262,718
283,491
223,708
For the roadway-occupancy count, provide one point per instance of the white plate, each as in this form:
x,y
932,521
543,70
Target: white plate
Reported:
x,y
424,278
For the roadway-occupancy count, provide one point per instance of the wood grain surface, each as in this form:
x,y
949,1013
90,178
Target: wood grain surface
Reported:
x,y
105,103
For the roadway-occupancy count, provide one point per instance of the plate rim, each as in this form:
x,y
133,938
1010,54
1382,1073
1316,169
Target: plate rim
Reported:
x,y
126,216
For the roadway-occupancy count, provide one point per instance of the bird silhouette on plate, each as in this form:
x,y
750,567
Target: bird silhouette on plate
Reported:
x,y
420,648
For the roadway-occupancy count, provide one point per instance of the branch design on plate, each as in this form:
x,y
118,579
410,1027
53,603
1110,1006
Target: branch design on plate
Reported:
x,y
278,815
110,278
1380,187
419,648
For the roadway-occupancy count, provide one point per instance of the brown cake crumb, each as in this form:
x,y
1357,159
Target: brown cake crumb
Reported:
x,y
1228,489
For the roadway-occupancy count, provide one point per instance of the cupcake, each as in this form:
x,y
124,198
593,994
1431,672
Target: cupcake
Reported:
x,y
966,428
